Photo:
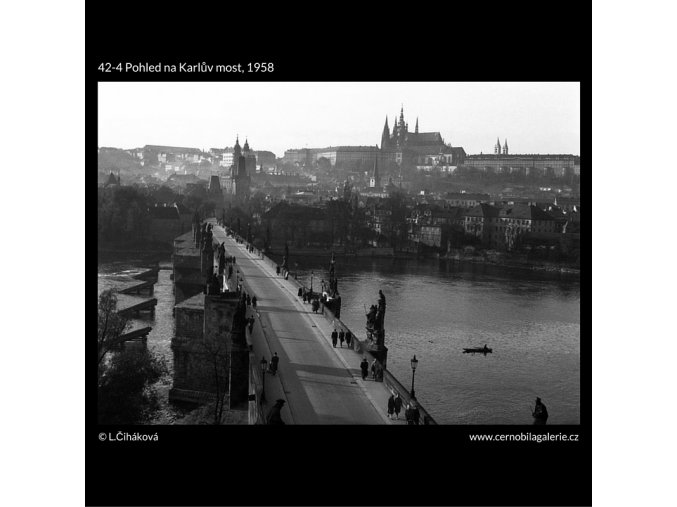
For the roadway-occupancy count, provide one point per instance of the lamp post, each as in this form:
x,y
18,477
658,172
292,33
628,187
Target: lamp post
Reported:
x,y
414,364
264,368
311,283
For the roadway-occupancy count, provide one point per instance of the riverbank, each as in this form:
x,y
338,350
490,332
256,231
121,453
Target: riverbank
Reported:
x,y
136,248
490,258
494,258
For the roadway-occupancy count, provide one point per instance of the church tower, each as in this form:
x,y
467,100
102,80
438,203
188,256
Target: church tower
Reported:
x,y
505,147
416,131
239,175
375,180
497,147
385,137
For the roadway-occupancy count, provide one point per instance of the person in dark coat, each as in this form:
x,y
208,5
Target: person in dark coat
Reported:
x,y
412,414
249,300
540,413
273,363
373,369
277,270
316,305
274,416
391,406
254,301
364,365
398,406
415,414
349,339
334,337
300,293
342,337
305,298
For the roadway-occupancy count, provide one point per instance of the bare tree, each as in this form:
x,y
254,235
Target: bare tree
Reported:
x,y
216,354
111,324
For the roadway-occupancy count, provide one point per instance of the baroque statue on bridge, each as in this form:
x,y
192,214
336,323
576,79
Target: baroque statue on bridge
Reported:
x,y
375,320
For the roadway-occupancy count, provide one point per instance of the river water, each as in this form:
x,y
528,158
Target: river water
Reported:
x,y
531,320
160,338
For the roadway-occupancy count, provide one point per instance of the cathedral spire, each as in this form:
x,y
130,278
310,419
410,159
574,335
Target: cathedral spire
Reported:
x,y
385,137
505,147
417,124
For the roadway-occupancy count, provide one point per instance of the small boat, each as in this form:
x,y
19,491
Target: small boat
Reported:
x,y
477,350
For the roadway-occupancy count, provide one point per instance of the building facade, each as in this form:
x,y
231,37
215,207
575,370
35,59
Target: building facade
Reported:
x,y
553,165
336,155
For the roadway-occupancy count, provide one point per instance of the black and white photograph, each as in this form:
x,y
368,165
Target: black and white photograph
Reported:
x,y
338,260
339,253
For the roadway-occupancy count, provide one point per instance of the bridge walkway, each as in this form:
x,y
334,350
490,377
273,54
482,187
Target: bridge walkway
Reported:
x,y
321,384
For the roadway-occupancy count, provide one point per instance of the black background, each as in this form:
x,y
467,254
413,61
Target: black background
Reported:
x,y
354,465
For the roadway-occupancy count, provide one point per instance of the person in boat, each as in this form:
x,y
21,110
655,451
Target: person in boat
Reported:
x,y
540,412
485,348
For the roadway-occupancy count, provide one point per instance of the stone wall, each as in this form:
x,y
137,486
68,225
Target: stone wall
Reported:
x,y
210,351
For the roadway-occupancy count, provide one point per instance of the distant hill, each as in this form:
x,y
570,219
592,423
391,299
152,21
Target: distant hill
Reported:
x,y
114,159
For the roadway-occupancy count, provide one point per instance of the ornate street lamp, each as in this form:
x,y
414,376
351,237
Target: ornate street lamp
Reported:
x,y
414,364
264,369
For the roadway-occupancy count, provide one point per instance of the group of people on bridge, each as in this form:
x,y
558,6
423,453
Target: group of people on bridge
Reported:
x,y
341,336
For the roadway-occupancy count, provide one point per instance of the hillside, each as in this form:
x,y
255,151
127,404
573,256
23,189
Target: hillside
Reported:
x,y
113,159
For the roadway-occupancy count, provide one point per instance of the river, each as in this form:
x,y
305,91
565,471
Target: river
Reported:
x,y
530,319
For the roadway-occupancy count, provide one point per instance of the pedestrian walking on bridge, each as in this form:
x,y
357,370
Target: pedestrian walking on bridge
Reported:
x,y
334,337
254,301
364,366
342,337
274,416
273,363
391,406
398,406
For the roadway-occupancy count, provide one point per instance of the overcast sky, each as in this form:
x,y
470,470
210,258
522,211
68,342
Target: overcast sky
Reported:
x,y
534,117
